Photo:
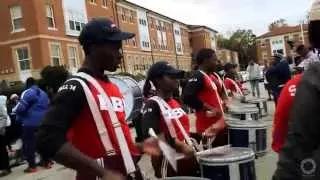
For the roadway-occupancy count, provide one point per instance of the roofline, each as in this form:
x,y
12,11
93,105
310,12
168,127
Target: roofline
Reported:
x,y
170,19
193,27
149,10
262,36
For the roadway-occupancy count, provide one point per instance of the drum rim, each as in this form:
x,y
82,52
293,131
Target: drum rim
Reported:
x,y
213,164
249,155
263,100
240,111
255,124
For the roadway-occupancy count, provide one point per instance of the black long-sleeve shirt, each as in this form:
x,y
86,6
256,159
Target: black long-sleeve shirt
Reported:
x,y
194,86
66,105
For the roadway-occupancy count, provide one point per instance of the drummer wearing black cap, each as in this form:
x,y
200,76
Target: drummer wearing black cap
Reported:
x,y
202,94
85,128
165,116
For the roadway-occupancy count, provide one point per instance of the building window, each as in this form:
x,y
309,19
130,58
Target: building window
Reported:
x,y
134,42
73,56
131,16
55,54
104,3
93,1
50,16
179,47
143,22
177,32
23,58
145,44
16,18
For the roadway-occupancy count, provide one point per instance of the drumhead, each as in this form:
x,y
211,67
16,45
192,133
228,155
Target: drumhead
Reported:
x,y
246,124
235,155
132,94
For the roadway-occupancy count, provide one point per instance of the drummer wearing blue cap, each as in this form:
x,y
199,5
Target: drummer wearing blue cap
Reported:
x,y
165,116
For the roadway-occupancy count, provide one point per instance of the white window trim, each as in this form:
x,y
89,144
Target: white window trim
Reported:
x,y
104,6
93,3
12,24
16,58
60,51
53,20
77,54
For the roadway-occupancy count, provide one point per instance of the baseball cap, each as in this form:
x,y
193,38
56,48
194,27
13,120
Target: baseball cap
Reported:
x,y
102,30
164,68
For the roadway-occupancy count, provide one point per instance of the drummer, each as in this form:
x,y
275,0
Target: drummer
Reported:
x,y
163,79
201,93
230,83
87,150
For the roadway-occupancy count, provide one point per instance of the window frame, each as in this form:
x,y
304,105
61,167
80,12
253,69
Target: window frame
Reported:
x,y
104,3
52,16
76,58
14,30
18,60
60,57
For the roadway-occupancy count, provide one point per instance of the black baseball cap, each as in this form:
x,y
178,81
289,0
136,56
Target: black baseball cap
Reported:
x,y
102,30
164,68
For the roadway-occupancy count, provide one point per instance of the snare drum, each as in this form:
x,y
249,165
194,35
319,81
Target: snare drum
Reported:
x,y
251,134
238,164
261,103
132,94
244,113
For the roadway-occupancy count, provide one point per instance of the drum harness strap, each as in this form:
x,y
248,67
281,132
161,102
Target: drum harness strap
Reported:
x,y
214,87
236,85
166,113
104,137
221,82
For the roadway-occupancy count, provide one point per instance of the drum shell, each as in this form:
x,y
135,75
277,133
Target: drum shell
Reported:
x,y
239,167
244,113
251,134
137,97
261,104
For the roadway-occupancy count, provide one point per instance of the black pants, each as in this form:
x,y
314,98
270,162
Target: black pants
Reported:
x,y
29,144
4,157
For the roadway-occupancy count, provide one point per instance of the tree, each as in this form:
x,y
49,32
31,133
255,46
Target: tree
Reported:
x,y
278,23
242,41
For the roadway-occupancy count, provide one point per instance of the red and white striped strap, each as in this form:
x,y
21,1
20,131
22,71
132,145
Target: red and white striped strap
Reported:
x,y
125,152
166,113
235,85
213,85
222,84
97,117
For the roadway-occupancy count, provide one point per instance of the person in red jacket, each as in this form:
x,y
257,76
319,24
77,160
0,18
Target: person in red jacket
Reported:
x,y
230,83
174,128
201,93
85,128
282,113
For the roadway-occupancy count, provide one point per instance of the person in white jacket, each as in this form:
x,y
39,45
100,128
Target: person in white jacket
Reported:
x,y
4,122
254,75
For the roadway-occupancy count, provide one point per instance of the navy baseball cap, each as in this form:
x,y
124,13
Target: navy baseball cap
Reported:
x,y
102,30
164,68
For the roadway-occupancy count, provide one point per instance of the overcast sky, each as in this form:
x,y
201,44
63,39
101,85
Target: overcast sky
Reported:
x,y
228,15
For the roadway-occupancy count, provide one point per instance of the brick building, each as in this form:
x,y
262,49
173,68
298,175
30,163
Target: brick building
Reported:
x,y
276,41
37,33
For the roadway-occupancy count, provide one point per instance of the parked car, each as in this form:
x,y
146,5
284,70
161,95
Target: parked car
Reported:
x,y
244,76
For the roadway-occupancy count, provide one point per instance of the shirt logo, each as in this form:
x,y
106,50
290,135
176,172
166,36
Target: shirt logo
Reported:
x,y
117,103
292,90
67,87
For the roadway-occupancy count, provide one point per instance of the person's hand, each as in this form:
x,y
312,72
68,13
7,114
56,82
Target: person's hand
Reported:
x,y
211,111
151,147
108,175
212,131
187,150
